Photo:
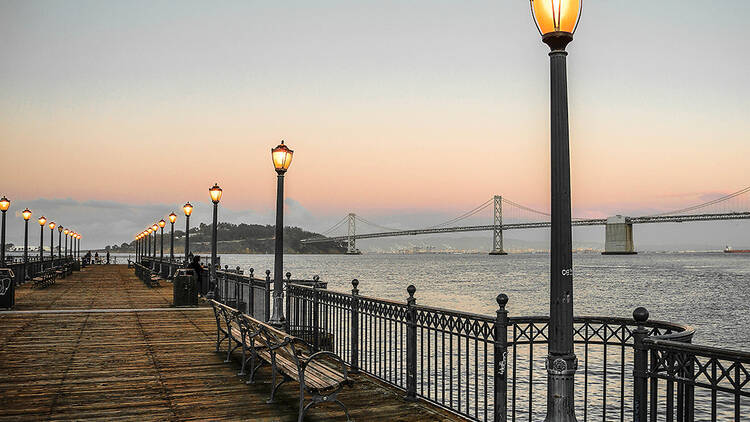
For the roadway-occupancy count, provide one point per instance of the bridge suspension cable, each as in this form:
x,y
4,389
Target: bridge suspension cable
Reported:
x,y
335,226
464,215
370,223
705,204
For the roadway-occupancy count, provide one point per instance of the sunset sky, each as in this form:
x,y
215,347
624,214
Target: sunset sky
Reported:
x,y
113,114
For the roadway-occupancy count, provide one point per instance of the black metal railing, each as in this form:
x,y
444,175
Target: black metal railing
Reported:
x,y
678,381
481,367
245,292
23,272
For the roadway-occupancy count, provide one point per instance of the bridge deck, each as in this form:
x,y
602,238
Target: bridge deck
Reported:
x,y
101,345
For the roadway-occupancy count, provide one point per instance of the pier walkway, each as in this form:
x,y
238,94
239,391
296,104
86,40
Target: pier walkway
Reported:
x,y
101,345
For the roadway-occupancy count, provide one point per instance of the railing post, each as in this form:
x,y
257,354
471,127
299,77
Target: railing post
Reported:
x,y
354,367
287,299
267,310
316,317
411,345
640,366
251,295
501,359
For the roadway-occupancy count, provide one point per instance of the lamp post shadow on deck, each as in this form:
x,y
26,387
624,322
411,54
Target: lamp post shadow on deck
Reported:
x,y
282,158
556,21
215,193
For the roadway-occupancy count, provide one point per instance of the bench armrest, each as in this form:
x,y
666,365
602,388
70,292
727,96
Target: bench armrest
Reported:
x,y
325,355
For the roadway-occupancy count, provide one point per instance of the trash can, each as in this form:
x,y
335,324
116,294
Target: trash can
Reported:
x,y
76,265
7,289
185,291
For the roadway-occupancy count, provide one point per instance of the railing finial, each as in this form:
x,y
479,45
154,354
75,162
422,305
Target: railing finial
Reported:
x,y
640,315
411,289
355,283
502,300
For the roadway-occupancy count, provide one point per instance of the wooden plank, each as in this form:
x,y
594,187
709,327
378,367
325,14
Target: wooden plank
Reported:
x,y
148,364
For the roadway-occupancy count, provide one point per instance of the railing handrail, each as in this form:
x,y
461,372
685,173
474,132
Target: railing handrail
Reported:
x,y
706,351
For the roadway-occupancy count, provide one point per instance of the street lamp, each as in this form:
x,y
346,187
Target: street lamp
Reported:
x,y
557,21
42,222
282,158
59,241
188,209
161,223
52,241
26,215
78,245
155,229
215,193
4,205
65,232
148,242
172,219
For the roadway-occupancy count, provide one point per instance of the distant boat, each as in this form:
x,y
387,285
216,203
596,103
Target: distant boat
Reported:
x,y
729,249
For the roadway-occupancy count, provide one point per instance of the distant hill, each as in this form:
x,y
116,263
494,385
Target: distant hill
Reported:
x,y
240,238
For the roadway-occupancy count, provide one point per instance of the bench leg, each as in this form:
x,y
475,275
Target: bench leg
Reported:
x,y
245,358
276,387
253,370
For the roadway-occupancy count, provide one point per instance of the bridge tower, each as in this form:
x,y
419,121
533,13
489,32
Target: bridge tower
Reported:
x,y
618,239
351,247
497,229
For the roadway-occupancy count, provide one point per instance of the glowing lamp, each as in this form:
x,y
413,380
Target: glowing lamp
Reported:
x,y
66,231
4,204
154,227
172,218
188,209
149,231
42,220
215,192
162,223
282,157
52,225
556,15
26,214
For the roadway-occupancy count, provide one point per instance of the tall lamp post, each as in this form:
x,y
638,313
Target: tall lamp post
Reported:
x,y
188,209
557,21
26,215
172,219
65,232
282,158
51,226
78,245
161,224
4,205
42,222
215,193
148,242
59,241
155,228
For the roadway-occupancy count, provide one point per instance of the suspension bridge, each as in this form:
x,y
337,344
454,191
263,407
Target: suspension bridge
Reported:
x,y
618,233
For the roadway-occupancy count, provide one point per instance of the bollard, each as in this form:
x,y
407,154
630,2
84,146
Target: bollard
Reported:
x,y
411,345
355,328
640,362
501,359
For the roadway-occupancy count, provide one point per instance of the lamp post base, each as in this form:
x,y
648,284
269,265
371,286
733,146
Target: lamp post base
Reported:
x,y
560,388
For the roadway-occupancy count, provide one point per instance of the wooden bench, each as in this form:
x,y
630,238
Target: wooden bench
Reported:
x,y
46,278
147,275
321,374
63,270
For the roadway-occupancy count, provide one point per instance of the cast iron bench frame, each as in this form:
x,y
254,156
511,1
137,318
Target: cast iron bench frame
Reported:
x,y
46,278
291,358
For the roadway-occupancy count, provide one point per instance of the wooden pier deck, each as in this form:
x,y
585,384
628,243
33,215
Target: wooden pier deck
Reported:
x,y
101,345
